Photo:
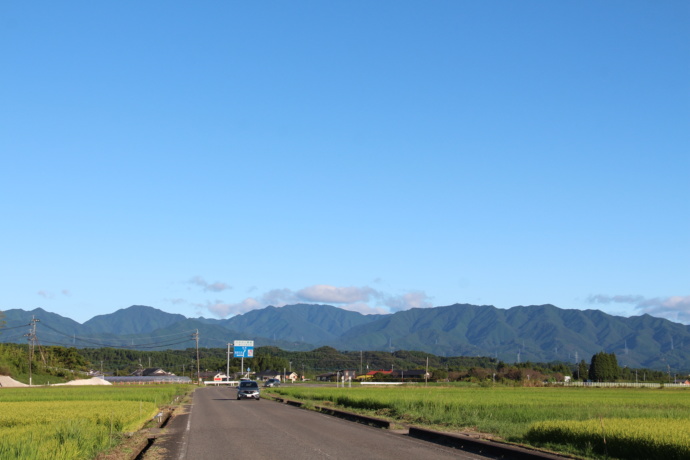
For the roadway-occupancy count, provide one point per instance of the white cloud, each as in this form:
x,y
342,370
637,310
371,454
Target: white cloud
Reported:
x,y
224,310
365,309
51,295
333,294
279,297
674,308
416,299
607,299
212,287
177,301
365,300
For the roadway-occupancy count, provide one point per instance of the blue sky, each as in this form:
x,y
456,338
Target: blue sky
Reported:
x,y
214,158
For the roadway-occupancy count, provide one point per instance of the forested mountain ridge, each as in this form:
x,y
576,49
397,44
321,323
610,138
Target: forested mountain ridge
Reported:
x,y
325,322
538,333
137,319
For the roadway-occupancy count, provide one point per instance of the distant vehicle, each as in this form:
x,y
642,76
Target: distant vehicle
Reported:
x,y
248,389
272,383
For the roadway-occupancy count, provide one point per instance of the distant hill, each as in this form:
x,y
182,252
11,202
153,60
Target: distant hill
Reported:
x,y
316,324
16,317
137,319
538,333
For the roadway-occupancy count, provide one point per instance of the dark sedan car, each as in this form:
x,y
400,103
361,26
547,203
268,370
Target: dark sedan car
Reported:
x,y
248,389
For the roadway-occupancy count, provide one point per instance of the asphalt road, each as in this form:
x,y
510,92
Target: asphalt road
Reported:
x,y
220,427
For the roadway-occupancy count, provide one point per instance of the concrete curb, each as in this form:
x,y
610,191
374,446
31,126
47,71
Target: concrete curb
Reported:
x,y
377,422
480,446
456,441
365,419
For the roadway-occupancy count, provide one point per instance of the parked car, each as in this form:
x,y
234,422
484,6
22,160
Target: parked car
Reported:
x,y
272,383
248,389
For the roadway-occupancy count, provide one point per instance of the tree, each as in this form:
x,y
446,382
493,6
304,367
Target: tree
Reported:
x,y
604,367
439,374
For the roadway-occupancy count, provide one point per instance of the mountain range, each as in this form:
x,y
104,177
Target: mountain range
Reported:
x,y
538,333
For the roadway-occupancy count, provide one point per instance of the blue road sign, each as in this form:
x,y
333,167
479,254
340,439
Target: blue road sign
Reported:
x,y
244,349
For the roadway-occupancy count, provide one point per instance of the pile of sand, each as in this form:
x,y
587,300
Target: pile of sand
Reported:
x,y
91,381
9,382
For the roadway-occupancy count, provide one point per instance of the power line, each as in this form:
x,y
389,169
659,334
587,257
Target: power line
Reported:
x,y
14,327
13,338
126,348
132,346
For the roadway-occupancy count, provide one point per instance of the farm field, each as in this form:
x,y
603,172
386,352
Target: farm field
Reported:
x,y
76,422
588,422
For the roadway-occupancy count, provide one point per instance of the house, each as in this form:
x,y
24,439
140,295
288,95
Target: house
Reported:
x,y
413,374
348,375
371,374
207,375
150,372
327,377
268,374
243,375
221,377
336,376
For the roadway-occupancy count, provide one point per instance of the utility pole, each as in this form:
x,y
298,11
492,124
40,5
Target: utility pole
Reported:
x,y
32,340
227,367
196,339
426,372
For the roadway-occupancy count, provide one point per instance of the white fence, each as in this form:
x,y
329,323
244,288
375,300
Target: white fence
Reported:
x,y
230,383
626,384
